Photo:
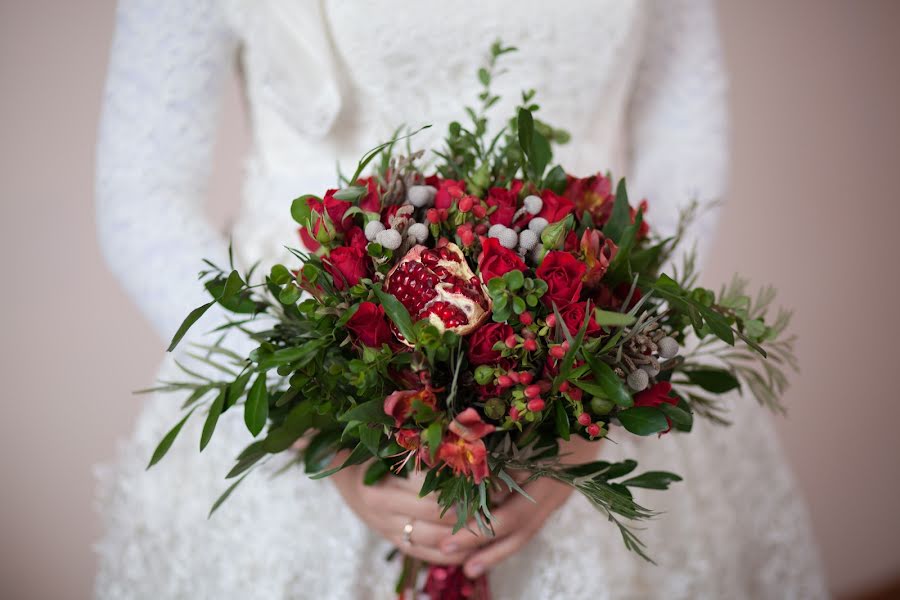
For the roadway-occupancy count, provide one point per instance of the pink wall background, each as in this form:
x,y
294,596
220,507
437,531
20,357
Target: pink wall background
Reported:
x,y
813,209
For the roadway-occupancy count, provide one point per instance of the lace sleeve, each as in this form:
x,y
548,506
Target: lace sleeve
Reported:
x,y
169,62
678,118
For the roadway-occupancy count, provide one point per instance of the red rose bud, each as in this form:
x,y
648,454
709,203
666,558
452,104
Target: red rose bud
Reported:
x,y
443,213
465,204
467,237
510,341
433,216
525,377
558,352
481,228
526,319
532,391
584,419
480,211
593,430
530,345
514,413
536,405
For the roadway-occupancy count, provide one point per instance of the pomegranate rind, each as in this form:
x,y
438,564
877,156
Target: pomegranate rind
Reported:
x,y
476,309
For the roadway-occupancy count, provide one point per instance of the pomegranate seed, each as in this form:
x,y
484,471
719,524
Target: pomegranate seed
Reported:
x,y
584,419
536,405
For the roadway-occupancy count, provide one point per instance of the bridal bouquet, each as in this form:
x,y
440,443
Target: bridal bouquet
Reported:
x,y
464,318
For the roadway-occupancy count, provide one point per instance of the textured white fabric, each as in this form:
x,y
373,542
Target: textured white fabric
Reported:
x,y
640,86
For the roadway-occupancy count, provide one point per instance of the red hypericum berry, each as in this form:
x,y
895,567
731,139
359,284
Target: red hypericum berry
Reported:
x,y
536,405
532,391
528,334
545,385
526,319
575,394
433,216
593,430
479,210
584,419
513,413
481,229
564,386
510,341
551,319
530,345
565,345
525,377
514,376
504,381
465,204
557,352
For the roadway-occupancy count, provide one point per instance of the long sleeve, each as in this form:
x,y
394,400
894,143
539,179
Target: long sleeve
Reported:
x,y
678,118
170,60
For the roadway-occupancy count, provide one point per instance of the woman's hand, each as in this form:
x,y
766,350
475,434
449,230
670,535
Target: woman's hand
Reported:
x,y
388,506
517,518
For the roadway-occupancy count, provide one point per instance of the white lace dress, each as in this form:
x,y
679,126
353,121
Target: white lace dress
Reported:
x,y
638,84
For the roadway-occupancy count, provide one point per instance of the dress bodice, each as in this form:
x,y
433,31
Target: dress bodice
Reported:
x,y
327,81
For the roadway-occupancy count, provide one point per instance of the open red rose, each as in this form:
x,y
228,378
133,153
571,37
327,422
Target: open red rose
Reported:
x,y
372,200
448,190
482,340
369,325
555,207
505,203
355,238
563,273
573,315
495,260
347,265
335,209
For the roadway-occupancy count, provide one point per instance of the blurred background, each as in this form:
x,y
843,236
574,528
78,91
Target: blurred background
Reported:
x,y
813,209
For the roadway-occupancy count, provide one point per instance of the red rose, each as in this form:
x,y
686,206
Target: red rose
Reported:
x,y
613,299
573,315
495,260
481,343
347,265
369,326
563,273
355,238
555,207
371,202
335,209
505,203
448,190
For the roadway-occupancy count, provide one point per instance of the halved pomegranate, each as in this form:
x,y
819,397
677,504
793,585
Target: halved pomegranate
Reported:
x,y
437,284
